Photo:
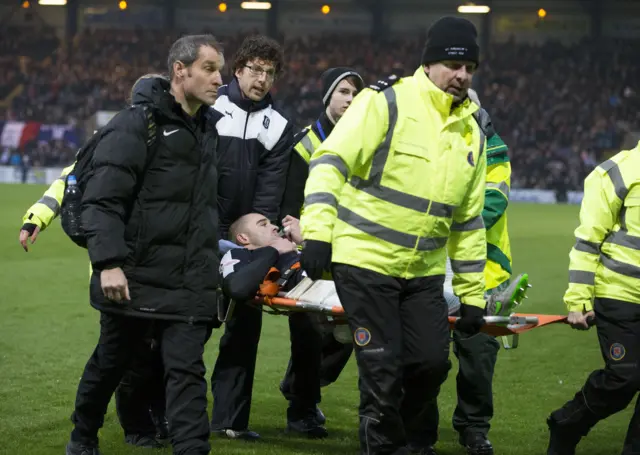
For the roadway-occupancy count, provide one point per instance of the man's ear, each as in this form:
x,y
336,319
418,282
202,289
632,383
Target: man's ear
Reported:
x,y
242,239
179,69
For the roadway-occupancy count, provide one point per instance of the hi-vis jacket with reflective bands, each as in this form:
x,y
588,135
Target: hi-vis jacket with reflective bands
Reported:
x,y
307,145
605,261
400,177
498,268
43,212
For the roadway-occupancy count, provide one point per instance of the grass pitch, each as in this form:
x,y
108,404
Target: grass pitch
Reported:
x,y
48,330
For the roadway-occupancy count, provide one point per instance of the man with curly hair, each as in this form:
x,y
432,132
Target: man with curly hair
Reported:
x,y
253,158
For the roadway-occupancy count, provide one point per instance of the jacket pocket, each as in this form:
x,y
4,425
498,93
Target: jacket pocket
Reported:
x,y
409,169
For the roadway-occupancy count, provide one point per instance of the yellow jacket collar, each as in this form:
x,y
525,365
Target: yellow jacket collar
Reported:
x,y
441,100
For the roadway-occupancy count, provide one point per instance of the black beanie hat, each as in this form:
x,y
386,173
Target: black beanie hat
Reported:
x,y
451,38
332,77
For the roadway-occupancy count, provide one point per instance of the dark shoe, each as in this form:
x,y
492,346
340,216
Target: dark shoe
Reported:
x,y
245,435
561,442
144,441
476,444
320,418
429,450
78,448
308,427
162,427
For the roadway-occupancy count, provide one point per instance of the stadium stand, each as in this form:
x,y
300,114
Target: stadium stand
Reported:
x,y
560,108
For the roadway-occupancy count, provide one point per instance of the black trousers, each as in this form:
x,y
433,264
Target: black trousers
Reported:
x,y
334,356
477,356
304,365
401,335
181,346
611,389
232,378
140,396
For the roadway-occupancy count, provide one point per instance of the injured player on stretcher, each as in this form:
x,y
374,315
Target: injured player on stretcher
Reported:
x,y
269,249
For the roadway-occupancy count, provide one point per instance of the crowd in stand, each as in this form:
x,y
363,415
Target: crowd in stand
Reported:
x,y
561,109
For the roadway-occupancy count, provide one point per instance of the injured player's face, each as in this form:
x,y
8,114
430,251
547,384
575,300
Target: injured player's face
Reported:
x,y
254,231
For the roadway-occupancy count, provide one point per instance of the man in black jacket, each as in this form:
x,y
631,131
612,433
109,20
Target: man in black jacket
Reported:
x,y
243,270
255,143
151,220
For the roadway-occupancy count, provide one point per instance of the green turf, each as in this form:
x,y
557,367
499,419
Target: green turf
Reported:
x,y
48,330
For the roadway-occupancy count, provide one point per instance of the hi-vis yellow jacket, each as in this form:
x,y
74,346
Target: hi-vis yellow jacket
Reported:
x,y
496,198
400,177
43,212
605,261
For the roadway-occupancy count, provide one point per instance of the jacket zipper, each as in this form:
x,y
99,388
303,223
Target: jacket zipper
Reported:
x,y
193,190
245,149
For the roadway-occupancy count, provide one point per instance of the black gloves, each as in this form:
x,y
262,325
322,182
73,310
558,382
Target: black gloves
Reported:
x,y
316,258
471,319
29,227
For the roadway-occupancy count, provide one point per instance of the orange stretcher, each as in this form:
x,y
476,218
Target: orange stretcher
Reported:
x,y
497,326
331,313
514,324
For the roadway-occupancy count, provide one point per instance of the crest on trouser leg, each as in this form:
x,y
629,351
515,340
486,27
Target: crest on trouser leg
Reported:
x,y
362,336
617,352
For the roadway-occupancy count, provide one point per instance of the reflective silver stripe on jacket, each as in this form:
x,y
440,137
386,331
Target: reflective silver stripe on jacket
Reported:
x,y
623,238
587,247
390,235
321,198
502,186
307,144
582,277
50,203
473,224
332,160
622,268
613,171
473,266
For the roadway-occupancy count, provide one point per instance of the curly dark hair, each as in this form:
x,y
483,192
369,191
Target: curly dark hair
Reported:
x,y
259,47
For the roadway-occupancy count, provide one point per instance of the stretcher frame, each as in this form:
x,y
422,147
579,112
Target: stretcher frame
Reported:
x,y
497,326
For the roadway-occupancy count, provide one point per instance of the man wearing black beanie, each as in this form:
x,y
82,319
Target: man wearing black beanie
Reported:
x,y
339,86
395,189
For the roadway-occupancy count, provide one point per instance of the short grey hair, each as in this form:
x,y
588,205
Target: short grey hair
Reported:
x,y
187,48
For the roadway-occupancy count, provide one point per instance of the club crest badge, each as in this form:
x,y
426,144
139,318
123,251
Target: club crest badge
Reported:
x,y
362,336
617,352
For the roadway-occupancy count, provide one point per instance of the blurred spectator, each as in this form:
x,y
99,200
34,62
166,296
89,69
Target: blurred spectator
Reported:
x,y
561,109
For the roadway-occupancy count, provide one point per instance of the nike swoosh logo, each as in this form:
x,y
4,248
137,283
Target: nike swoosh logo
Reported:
x,y
169,133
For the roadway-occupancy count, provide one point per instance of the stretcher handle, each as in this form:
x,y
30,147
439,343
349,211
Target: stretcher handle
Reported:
x,y
504,320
